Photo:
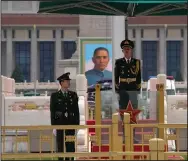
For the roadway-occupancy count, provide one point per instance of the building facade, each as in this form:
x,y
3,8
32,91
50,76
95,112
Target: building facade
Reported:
x,y
44,46
35,43
160,42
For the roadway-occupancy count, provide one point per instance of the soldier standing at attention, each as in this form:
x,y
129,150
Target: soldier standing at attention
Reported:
x,y
64,111
127,76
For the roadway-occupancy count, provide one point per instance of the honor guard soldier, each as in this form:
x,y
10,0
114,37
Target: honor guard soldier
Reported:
x,y
127,76
64,111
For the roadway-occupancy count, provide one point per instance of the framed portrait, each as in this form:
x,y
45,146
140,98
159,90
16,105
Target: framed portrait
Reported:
x,y
91,50
88,47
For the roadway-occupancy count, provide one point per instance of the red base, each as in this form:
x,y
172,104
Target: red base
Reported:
x,y
109,122
105,148
137,148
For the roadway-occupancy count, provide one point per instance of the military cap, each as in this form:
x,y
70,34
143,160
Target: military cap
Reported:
x,y
64,77
127,43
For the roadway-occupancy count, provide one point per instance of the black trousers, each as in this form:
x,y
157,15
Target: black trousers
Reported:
x,y
124,98
60,140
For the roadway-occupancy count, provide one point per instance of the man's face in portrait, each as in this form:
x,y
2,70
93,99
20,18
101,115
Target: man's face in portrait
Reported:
x,y
101,59
127,51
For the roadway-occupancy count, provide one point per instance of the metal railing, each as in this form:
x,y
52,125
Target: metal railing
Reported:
x,y
109,132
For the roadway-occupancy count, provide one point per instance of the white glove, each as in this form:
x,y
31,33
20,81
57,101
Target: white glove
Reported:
x,y
54,132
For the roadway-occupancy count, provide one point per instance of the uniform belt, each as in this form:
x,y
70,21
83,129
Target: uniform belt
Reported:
x,y
128,80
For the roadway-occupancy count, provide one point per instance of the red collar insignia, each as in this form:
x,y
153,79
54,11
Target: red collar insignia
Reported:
x,y
133,112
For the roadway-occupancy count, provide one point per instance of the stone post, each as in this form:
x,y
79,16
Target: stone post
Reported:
x,y
157,147
161,84
98,112
127,132
81,89
116,140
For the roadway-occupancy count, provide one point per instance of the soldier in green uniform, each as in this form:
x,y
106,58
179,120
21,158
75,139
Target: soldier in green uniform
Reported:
x,y
127,76
64,111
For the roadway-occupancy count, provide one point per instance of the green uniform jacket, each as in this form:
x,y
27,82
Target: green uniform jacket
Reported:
x,y
127,76
64,108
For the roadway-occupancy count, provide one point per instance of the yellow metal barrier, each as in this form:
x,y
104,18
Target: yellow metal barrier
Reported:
x,y
49,139
115,142
156,145
156,127
98,113
160,103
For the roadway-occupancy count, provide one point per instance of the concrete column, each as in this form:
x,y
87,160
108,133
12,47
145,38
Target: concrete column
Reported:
x,y
185,55
1,111
3,58
0,55
34,60
138,43
57,51
118,34
161,65
9,53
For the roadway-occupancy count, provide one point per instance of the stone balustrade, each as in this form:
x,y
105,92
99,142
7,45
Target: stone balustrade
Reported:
x,y
55,85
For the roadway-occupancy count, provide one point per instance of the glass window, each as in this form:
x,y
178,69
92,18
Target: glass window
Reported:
x,y
173,54
134,50
47,51
3,58
69,48
170,92
149,56
22,58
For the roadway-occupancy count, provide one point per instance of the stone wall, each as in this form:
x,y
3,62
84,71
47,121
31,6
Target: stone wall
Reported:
x,y
95,26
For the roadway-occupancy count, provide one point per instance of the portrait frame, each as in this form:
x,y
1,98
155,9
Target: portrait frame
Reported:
x,y
83,42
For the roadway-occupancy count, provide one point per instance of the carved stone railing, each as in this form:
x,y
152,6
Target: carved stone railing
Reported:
x,y
55,85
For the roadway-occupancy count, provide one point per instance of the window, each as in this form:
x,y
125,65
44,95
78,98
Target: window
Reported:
x,y
22,52
170,92
54,34
166,32
142,33
149,56
62,33
38,34
134,33
173,59
182,33
69,47
3,58
13,34
47,52
134,50
78,33
158,33
5,33
29,34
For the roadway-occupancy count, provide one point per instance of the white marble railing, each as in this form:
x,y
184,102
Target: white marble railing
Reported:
x,y
39,85
54,85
